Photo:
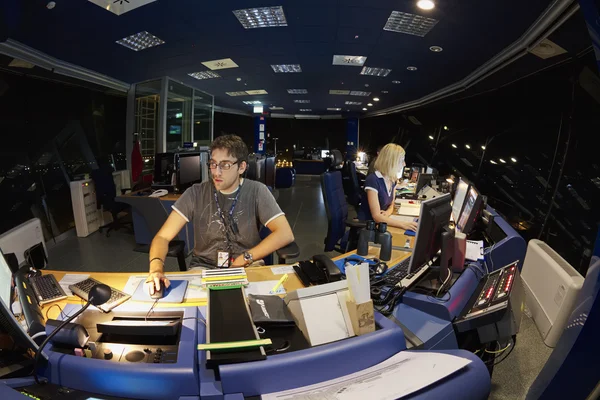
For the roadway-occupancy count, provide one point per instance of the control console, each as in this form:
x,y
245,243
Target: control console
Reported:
x,y
135,353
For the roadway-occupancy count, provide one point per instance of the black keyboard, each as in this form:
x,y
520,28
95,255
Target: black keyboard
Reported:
x,y
399,272
82,289
46,289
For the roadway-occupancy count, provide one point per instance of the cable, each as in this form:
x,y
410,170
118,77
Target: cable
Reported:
x,y
37,335
514,344
150,310
196,318
498,351
59,307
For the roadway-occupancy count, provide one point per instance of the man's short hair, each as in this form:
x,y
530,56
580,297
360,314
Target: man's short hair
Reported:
x,y
234,145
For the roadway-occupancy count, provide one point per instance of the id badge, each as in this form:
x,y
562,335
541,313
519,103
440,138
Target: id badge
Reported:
x,y
223,259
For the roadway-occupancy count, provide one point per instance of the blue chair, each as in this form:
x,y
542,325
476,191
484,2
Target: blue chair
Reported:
x,y
342,233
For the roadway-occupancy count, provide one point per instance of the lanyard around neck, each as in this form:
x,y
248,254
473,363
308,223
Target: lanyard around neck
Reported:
x,y
237,195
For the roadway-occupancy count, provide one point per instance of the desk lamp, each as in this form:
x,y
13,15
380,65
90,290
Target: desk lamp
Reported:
x,y
99,295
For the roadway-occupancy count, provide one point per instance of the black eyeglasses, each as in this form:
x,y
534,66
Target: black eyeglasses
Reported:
x,y
224,165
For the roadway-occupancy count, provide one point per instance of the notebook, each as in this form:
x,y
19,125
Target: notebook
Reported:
x,y
173,294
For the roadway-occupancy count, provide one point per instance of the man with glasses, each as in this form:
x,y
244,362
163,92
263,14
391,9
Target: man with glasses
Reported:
x,y
226,212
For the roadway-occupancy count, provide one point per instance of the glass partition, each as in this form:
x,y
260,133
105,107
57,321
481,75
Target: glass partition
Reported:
x,y
179,115
147,104
203,118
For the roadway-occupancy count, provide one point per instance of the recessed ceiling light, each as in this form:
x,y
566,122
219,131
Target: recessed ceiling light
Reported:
x,y
468,146
370,105
430,137
366,85
223,63
252,102
364,109
453,145
375,98
120,7
263,17
297,91
482,147
339,92
302,101
286,68
502,161
396,82
384,91
275,108
410,24
493,162
359,93
204,75
513,159
354,103
239,79
305,109
140,41
446,128
411,68
254,92
372,71
51,5
233,94
425,4
436,49
355,61
334,109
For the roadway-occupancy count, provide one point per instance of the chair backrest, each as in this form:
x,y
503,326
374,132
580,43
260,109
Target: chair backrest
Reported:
x,y
337,161
336,207
270,172
260,170
152,210
106,190
252,169
354,191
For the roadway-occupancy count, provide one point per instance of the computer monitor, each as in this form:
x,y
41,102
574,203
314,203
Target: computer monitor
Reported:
x,y
459,198
324,154
433,221
164,166
470,211
174,129
189,170
8,323
424,179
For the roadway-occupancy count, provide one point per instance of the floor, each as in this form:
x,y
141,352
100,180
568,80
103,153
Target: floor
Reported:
x,y
304,208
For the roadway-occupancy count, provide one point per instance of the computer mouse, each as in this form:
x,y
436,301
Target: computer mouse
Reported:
x,y
160,293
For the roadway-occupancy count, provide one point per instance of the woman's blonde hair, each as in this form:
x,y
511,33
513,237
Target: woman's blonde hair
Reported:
x,y
388,161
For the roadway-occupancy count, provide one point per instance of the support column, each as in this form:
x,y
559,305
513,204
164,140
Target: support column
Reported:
x,y
260,129
352,136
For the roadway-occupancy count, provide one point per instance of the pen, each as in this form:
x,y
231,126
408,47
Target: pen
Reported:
x,y
283,279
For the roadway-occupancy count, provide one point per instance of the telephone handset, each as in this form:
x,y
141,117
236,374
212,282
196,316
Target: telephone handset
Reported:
x,y
328,266
318,271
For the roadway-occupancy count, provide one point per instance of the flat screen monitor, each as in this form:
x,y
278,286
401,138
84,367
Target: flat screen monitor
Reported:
x,y
164,167
324,154
174,129
424,179
190,170
434,218
470,211
459,198
8,323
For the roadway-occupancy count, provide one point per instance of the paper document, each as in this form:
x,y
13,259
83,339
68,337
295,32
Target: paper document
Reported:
x,y
396,377
402,218
358,282
410,210
194,289
264,288
288,269
474,250
71,279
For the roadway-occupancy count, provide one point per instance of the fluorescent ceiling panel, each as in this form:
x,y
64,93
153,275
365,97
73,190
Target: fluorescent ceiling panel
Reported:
x,y
275,108
354,61
120,7
302,101
140,41
233,94
306,109
334,109
372,71
252,102
359,93
204,75
220,64
16,63
263,17
286,68
254,92
410,24
297,91
354,103
339,92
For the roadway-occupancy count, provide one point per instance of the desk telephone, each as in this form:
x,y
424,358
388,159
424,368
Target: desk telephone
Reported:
x,y
317,271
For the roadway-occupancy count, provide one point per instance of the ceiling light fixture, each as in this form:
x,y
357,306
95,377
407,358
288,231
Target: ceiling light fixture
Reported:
x,y
446,128
411,68
482,147
430,137
493,162
334,109
373,71
302,101
204,75
297,91
364,109
396,82
275,108
359,93
468,146
425,4
223,63
410,24
140,41
370,105
502,161
353,103
375,98
436,49
305,109
263,17
233,94
513,159
384,91
339,92
366,85
256,92
286,68
455,146
353,61
239,79
252,102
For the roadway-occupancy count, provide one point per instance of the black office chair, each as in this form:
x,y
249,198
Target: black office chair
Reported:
x,y
351,184
106,192
155,215
252,168
342,232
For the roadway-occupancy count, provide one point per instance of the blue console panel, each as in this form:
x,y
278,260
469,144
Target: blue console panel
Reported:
x,y
136,381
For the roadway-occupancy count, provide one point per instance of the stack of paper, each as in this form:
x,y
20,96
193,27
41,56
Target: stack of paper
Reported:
x,y
474,250
224,277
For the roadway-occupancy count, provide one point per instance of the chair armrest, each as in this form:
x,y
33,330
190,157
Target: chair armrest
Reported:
x,y
354,223
290,251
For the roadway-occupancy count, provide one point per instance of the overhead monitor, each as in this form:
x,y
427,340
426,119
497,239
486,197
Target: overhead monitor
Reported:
x,y
174,129
459,198
470,211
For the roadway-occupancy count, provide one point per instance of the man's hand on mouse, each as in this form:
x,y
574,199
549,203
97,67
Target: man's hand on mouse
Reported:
x,y
153,282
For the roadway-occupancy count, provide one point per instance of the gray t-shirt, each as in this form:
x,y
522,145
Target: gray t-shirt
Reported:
x,y
255,207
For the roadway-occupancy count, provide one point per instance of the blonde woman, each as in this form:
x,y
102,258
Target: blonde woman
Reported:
x,y
380,188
